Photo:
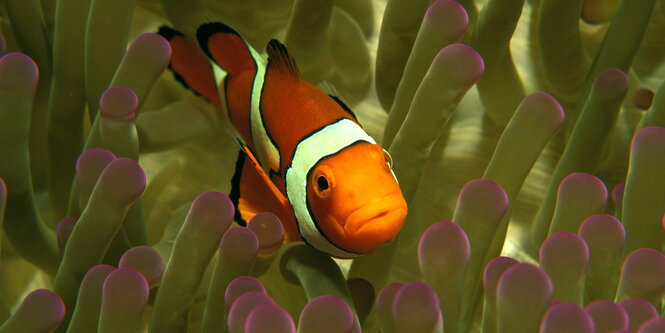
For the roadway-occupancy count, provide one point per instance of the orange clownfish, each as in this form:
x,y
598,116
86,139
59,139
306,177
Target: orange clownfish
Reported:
x,y
303,156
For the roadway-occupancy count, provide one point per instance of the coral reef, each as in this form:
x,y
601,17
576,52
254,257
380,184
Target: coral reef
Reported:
x,y
528,138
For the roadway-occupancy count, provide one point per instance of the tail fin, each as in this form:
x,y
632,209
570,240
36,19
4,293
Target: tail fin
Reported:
x,y
226,47
189,66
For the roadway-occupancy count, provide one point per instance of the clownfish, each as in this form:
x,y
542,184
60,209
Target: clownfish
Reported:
x,y
303,156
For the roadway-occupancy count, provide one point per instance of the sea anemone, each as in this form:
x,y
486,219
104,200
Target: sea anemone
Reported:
x,y
528,138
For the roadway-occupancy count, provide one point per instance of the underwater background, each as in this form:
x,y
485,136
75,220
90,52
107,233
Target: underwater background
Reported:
x,y
527,137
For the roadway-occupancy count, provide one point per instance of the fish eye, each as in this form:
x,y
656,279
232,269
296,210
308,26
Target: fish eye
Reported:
x,y
322,182
389,159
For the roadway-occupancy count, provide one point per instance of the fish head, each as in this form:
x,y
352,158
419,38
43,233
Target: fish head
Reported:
x,y
355,199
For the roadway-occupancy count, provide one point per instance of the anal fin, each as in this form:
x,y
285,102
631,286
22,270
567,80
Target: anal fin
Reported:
x,y
253,192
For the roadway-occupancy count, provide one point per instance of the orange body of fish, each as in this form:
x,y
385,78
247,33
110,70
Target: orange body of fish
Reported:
x,y
304,156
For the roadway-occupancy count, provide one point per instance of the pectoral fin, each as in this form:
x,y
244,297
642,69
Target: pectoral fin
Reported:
x,y
253,192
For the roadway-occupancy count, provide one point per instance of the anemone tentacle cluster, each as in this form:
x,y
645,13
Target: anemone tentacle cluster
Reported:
x,y
528,138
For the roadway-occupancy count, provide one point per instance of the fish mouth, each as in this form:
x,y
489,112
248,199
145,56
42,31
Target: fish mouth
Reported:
x,y
379,221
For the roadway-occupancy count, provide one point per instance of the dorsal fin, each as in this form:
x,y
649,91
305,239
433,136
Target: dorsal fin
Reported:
x,y
189,66
343,105
280,60
330,90
226,47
